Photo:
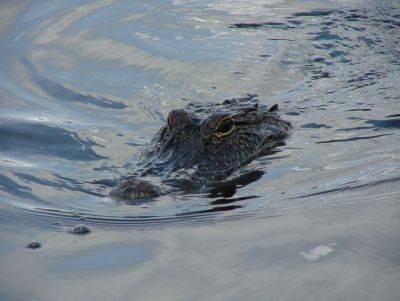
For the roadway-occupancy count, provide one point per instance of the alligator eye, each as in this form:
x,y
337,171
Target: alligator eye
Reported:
x,y
225,126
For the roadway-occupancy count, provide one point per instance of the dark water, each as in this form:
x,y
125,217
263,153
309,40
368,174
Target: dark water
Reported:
x,y
85,85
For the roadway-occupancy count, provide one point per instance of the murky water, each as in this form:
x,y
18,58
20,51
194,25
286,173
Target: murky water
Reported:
x,y
84,86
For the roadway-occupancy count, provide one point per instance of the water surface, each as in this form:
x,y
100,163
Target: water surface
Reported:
x,y
85,85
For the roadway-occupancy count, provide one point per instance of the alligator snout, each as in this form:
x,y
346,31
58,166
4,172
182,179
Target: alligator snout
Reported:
x,y
130,189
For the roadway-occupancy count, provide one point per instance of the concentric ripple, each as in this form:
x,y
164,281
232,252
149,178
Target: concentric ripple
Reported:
x,y
84,87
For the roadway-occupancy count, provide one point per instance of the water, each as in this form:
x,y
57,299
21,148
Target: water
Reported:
x,y
85,85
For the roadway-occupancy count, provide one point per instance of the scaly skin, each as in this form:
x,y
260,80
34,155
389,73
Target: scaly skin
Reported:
x,y
201,146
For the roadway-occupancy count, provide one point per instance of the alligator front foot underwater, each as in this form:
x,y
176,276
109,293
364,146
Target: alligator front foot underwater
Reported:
x,y
201,146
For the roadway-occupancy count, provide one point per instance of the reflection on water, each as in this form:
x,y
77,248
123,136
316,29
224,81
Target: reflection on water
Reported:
x,y
107,258
86,85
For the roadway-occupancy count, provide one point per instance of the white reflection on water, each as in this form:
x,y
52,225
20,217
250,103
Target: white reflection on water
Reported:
x,y
86,43
318,252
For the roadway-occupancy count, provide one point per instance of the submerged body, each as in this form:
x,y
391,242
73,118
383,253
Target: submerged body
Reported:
x,y
201,146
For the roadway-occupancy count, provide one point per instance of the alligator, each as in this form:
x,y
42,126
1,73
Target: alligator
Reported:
x,y
201,146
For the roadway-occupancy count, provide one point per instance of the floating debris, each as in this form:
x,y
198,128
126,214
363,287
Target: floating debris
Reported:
x,y
34,245
81,230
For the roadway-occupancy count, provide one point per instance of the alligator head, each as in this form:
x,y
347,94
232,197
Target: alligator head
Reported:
x,y
201,146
